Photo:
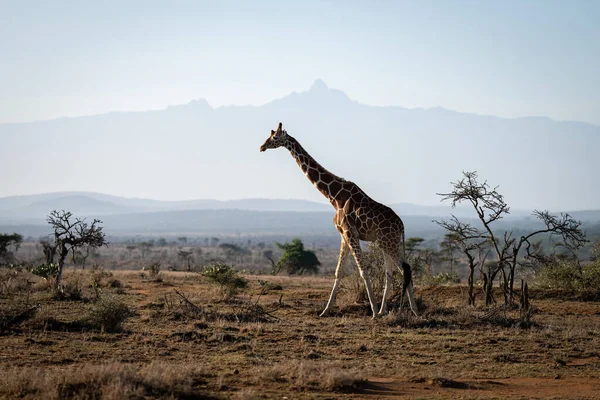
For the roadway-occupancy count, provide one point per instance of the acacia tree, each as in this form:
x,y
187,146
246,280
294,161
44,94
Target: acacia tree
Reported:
x,y
490,207
296,260
71,234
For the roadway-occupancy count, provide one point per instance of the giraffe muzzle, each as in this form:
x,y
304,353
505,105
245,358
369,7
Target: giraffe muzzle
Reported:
x,y
262,148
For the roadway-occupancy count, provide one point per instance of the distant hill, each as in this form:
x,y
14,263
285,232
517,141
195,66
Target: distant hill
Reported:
x,y
124,217
226,222
35,207
27,208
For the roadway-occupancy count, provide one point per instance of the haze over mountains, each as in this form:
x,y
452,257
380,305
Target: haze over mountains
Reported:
x,y
396,155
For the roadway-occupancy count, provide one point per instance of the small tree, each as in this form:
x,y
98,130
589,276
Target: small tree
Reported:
x,y
232,250
416,256
186,256
448,247
296,260
6,241
412,245
145,248
490,207
72,234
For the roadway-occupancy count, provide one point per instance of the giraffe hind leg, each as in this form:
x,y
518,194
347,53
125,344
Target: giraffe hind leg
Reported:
x,y
388,281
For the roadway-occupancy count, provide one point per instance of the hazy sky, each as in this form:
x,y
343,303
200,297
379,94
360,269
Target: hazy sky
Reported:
x,y
506,58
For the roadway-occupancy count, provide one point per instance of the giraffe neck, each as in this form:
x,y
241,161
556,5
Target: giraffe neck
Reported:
x,y
327,183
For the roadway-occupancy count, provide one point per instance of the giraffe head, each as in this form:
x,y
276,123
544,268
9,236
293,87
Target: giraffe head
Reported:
x,y
277,139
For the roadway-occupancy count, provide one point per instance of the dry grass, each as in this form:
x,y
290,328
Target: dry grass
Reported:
x,y
169,348
105,381
306,375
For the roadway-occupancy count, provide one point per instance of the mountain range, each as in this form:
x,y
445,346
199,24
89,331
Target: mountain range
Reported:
x,y
397,155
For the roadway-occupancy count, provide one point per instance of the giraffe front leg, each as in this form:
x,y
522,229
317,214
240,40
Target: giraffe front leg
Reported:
x,y
356,250
339,274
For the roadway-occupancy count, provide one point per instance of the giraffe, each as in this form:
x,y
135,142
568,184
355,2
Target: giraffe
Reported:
x,y
357,217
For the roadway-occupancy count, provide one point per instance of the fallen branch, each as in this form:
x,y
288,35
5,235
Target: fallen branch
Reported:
x,y
188,302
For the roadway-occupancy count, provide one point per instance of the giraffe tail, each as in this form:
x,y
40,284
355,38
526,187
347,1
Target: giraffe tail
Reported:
x,y
407,285
407,279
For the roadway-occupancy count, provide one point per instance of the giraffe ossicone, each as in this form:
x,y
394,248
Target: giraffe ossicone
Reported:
x,y
357,217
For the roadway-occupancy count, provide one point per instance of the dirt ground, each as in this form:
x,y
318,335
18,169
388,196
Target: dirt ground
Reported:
x,y
270,343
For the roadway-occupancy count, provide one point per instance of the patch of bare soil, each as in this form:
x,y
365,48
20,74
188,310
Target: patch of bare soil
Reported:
x,y
441,388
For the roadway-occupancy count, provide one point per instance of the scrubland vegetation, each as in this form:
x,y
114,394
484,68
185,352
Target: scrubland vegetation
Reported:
x,y
502,314
156,333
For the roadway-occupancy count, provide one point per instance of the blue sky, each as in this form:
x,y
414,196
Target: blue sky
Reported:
x,y
505,58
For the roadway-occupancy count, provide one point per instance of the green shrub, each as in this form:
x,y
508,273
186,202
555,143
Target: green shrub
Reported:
x,y
226,277
108,314
571,276
70,290
45,270
154,271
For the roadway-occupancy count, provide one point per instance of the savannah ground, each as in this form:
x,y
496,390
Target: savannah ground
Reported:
x,y
276,346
